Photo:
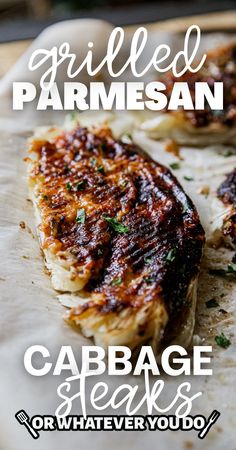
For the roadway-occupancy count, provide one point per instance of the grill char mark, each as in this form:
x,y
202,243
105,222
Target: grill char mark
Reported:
x,y
143,195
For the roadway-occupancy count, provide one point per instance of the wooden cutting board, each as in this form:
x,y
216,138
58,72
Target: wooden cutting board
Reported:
x,y
221,21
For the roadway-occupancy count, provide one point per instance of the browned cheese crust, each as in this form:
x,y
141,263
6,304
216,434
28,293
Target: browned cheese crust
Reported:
x,y
123,216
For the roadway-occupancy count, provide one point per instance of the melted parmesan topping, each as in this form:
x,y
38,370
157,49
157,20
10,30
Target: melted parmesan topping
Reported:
x,y
107,207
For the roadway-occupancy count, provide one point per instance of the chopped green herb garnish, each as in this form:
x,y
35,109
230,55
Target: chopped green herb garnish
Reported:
x,y
80,217
175,166
80,185
231,270
101,169
116,282
212,303
69,186
232,267
185,207
103,147
227,153
188,178
149,280
170,257
116,225
148,260
124,184
93,161
45,197
222,341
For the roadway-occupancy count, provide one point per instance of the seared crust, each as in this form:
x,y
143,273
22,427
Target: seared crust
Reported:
x,y
227,190
227,194
138,242
220,65
201,127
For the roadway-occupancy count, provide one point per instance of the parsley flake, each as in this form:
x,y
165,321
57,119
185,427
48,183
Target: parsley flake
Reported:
x,y
80,185
148,260
101,169
227,153
185,207
222,341
232,267
170,257
116,282
175,166
93,161
149,280
116,225
80,217
69,186
188,178
212,303
229,271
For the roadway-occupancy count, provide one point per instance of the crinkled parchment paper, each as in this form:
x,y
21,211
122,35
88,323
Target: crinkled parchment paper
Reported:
x,y
31,313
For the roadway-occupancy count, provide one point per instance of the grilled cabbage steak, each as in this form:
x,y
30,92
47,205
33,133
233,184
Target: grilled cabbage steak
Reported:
x,y
201,127
118,231
225,204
